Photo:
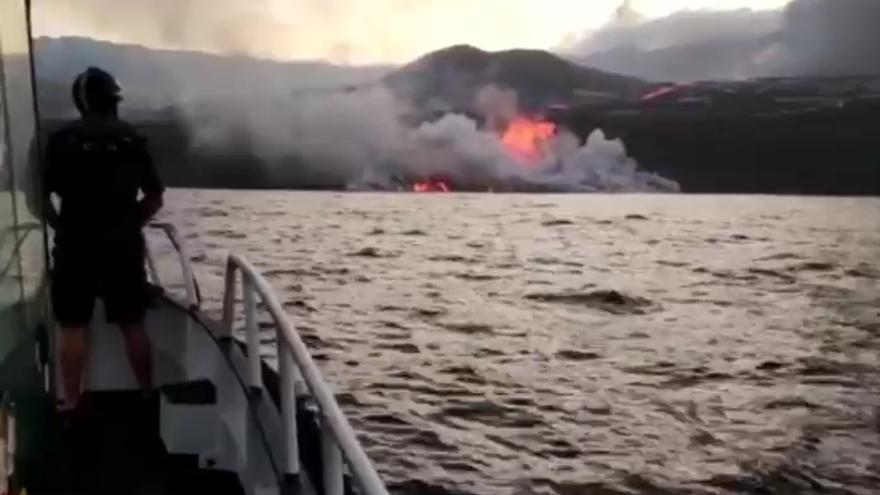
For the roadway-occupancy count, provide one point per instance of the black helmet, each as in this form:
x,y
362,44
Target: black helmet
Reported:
x,y
96,91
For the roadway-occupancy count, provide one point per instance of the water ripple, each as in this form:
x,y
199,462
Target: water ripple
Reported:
x,y
570,345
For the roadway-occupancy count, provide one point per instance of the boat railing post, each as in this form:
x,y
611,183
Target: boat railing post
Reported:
x,y
331,459
288,372
252,333
189,278
300,387
229,297
179,244
151,264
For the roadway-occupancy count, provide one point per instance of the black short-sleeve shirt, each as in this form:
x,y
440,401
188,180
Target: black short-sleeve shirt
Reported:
x,y
98,167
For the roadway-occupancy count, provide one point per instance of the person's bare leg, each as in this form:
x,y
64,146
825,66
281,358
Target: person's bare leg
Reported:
x,y
73,361
138,347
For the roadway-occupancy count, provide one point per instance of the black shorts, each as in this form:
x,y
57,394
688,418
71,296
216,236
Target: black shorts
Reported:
x,y
115,273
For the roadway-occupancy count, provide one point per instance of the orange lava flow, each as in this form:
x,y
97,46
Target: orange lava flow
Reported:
x,y
431,186
659,93
528,139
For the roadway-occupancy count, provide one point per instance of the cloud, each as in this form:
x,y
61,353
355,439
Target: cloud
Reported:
x,y
808,37
340,31
828,37
219,26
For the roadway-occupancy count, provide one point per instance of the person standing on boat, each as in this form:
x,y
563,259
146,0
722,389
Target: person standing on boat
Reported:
x,y
98,166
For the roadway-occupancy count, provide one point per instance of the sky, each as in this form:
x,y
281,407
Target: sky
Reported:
x,y
346,31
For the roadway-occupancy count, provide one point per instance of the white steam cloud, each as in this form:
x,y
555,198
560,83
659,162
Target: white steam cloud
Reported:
x,y
358,138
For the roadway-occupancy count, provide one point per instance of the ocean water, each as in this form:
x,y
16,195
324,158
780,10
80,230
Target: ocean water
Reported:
x,y
579,344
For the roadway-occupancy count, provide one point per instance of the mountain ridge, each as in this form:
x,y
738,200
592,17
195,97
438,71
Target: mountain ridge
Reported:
x,y
540,78
154,78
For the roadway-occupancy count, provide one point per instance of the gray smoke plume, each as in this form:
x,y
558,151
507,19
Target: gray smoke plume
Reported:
x,y
806,38
827,37
217,26
339,31
358,138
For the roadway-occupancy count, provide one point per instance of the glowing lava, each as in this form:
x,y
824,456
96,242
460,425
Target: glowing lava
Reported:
x,y
431,186
659,93
528,139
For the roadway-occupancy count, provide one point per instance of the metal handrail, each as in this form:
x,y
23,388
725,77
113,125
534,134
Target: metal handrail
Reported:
x,y
193,294
294,360
26,228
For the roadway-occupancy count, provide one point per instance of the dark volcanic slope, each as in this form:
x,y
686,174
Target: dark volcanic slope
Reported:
x,y
790,136
453,76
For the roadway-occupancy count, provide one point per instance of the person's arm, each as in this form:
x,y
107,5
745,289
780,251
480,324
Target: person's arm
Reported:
x,y
49,182
151,186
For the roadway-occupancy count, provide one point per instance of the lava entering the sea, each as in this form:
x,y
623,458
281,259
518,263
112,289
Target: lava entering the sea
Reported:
x,y
431,186
528,139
